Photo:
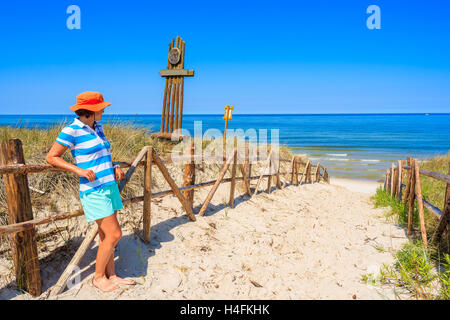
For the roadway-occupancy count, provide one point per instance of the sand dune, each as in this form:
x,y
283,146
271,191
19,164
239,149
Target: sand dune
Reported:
x,y
312,241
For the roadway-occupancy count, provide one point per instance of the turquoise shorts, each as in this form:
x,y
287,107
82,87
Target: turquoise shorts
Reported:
x,y
101,203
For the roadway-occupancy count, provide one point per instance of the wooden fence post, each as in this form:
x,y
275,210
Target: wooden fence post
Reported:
x,y
277,174
269,179
233,176
408,182
412,196
296,171
399,181
388,182
325,175
189,175
392,186
23,244
317,174
246,169
147,195
304,177
385,181
395,182
293,169
420,203
309,172
443,221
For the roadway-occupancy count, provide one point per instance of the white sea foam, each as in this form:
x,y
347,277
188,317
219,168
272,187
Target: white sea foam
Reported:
x,y
337,154
370,160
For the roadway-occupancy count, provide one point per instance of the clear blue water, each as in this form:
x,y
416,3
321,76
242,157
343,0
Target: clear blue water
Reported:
x,y
352,145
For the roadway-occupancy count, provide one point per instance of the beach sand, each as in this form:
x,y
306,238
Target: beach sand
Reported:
x,y
313,241
363,186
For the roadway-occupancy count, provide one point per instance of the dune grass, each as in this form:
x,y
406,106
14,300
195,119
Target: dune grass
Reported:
x,y
423,271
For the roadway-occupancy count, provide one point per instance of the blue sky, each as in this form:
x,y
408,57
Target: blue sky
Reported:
x,y
260,56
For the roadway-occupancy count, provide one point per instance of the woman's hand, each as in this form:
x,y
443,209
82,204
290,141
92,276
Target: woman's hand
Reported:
x,y
118,173
88,174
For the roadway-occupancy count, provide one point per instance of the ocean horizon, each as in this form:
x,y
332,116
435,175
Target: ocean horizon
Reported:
x,y
351,145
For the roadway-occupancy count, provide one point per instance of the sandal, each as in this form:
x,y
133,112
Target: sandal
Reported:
x,y
117,280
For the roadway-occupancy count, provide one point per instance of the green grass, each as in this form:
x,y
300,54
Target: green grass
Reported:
x,y
422,271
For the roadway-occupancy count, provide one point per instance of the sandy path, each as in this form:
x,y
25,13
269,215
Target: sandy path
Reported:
x,y
307,242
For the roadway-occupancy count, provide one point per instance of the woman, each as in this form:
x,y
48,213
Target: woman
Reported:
x,y
99,194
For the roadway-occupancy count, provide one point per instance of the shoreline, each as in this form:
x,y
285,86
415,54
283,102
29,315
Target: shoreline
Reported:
x,y
356,185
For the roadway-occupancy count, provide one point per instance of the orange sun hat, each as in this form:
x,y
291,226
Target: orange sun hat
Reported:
x,y
89,100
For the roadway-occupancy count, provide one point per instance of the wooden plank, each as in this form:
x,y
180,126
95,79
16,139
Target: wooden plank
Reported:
x,y
443,221
177,102
163,114
76,259
217,183
420,204
177,73
180,118
172,105
147,195
173,186
23,244
166,126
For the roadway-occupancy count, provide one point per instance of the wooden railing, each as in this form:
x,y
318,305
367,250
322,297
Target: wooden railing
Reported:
x,y
22,224
412,191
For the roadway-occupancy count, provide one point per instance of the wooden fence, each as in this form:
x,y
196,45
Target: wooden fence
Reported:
x,y
21,223
412,191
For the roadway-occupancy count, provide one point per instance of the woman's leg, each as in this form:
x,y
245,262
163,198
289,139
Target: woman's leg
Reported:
x,y
111,233
110,268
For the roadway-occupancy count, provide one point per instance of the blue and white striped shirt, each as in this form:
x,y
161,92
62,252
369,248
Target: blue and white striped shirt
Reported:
x,y
91,150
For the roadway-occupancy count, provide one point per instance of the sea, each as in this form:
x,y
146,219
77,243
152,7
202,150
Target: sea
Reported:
x,y
356,146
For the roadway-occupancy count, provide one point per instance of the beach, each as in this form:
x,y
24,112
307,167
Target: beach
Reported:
x,y
314,241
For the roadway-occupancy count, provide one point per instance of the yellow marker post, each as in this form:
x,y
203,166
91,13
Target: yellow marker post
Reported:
x,y
228,116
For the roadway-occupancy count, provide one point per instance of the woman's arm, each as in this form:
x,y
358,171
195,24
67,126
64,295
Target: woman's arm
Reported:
x,y
54,158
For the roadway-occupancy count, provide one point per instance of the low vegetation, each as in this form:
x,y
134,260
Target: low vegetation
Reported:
x,y
423,272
